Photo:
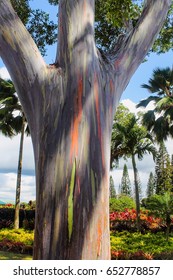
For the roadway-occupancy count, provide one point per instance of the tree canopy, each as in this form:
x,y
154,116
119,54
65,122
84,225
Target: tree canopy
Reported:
x,y
113,20
42,29
159,121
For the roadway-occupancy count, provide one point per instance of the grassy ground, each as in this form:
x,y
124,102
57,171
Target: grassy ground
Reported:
x,y
14,256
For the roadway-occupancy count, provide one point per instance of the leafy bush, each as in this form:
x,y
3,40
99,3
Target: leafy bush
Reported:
x,y
125,245
28,224
19,241
126,220
6,224
17,235
121,203
7,214
16,247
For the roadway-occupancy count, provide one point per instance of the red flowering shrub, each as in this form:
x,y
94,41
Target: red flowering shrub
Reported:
x,y
16,247
9,205
126,220
122,255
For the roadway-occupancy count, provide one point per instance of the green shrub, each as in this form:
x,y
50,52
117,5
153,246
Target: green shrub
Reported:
x,y
28,224
6,224
125,245
19,241
7,214
121,203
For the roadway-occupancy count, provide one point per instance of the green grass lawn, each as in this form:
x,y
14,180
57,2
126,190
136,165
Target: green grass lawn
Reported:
x,y
14,256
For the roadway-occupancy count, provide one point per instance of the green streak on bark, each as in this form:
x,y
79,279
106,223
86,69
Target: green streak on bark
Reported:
x,y
93,185
70,201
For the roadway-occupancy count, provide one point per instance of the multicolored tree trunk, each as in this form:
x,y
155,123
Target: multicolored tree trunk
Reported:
x,y
70,107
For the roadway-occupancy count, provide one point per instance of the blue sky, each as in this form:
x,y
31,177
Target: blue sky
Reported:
x,y
9,147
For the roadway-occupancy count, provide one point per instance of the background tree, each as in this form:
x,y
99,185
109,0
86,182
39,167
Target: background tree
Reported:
x,y
121,203
125,182
139,184
70,107
112,192
42,29
162,206
159,121
150,185
12,122
130,139
172,169
163,173
111,29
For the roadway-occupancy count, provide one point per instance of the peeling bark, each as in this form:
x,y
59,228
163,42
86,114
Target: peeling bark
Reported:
x,y
70,108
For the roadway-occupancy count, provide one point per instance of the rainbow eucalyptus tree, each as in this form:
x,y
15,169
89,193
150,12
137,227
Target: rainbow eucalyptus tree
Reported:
x,y
70,107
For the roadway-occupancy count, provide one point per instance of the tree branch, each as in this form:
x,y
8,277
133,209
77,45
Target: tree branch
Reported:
x,y
137,44
20,55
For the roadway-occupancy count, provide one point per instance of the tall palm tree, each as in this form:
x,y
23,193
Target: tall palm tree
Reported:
x,y
130,139
12,122
159,120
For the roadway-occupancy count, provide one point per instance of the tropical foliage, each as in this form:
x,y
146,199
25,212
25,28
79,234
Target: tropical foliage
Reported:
x,y
19,241
12,122
38,23
109,28
121,203
162,206
127,246
126,220
130,139
159,121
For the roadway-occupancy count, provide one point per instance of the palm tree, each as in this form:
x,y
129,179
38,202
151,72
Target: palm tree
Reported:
x,y
130,139
12,122
159,120
162,206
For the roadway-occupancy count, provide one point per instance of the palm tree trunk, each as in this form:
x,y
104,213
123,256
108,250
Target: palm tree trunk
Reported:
x,y
19,175
136,192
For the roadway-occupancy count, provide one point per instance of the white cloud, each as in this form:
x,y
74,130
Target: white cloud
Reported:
x,y
132,106
4,73
9,151
8,187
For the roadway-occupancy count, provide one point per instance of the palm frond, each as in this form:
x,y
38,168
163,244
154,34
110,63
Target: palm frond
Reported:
x,y
145,102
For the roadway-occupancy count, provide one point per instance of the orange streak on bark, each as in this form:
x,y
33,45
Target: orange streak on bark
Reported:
x,y
75,125
96,96
99,238
85,9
